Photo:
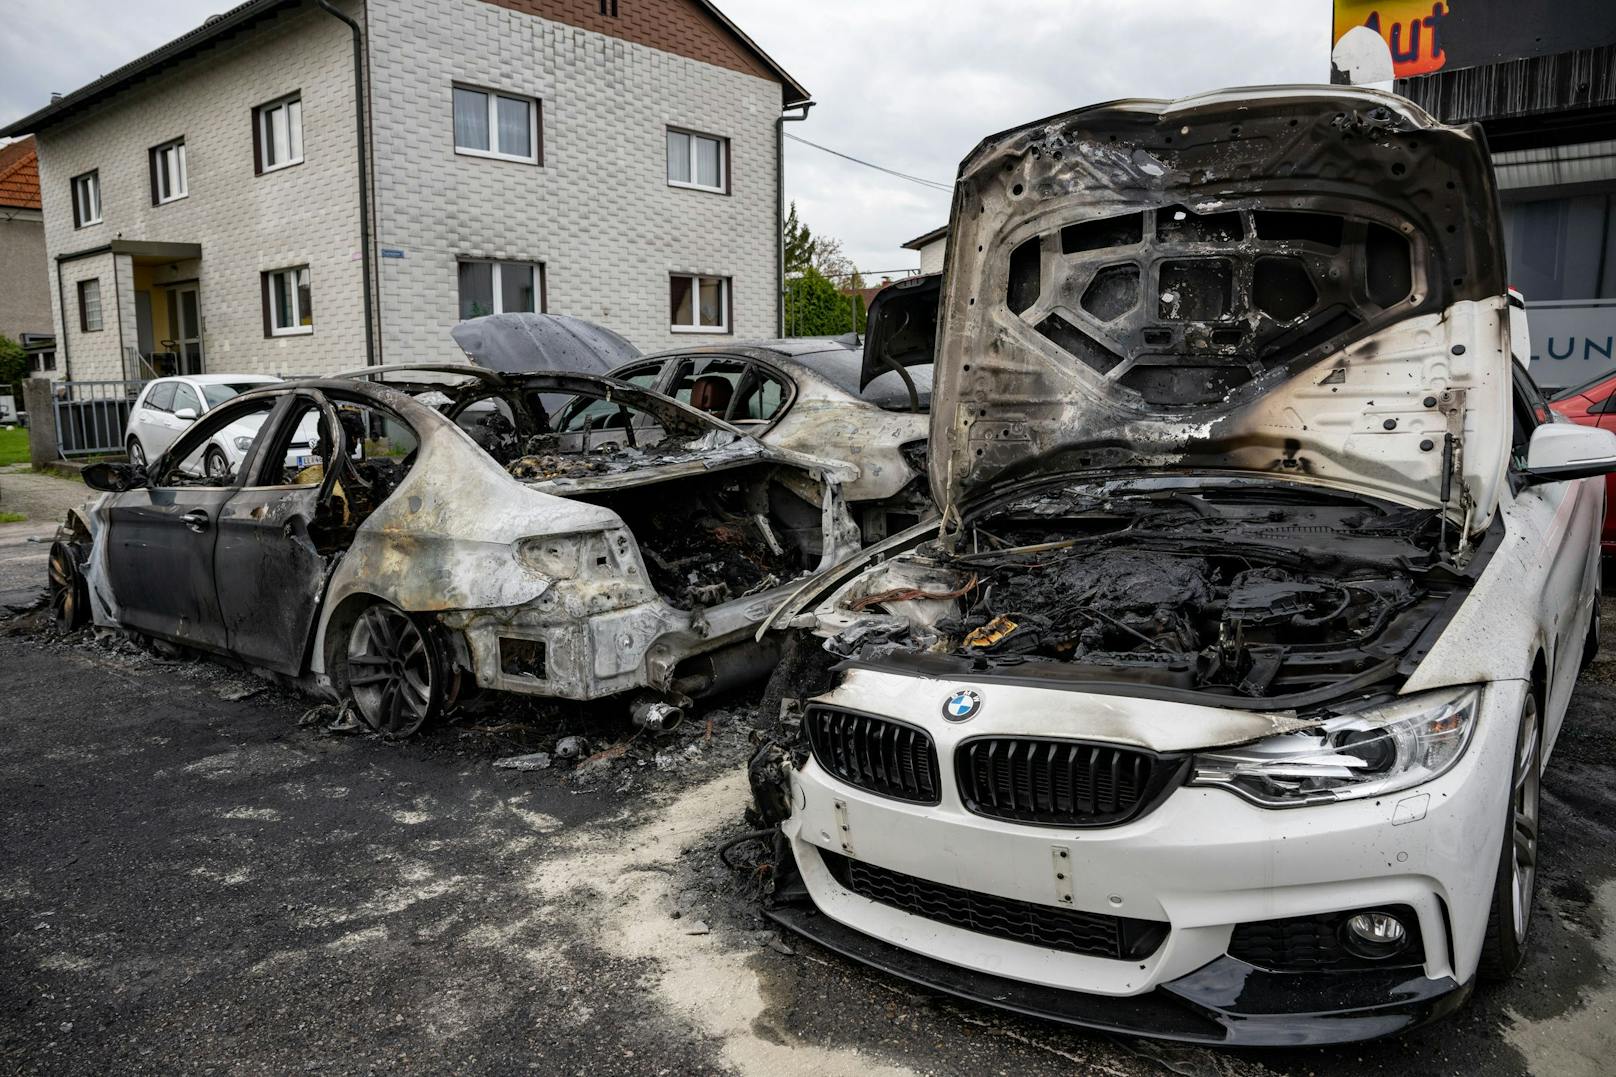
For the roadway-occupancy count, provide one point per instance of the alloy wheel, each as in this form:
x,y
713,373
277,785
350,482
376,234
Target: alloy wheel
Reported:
x,y
137,453
1525,801
214,465
391,671
67,589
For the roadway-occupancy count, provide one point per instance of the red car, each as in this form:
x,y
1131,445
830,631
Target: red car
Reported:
x,y
1593,403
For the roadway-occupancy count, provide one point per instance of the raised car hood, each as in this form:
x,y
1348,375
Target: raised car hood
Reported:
x,y
537,343
1306,281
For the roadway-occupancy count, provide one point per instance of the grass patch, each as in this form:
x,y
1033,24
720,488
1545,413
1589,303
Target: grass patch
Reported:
x,y
12,517
13,446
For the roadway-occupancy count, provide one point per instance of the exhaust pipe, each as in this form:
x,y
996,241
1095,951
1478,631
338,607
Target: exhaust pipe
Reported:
x,y
657,715
728,668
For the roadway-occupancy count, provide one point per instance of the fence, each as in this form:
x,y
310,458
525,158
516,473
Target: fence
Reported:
x,y
91,416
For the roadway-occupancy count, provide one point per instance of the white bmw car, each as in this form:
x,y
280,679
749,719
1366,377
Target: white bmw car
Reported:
x,y
1216,708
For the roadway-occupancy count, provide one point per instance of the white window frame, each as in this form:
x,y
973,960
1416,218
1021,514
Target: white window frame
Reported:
x,y
695,303
534,106
296,328
163,154
497,276
723,160
264,119
84,310
87,198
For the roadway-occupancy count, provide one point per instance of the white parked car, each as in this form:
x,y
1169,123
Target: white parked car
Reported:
x,y
167,407
1217,707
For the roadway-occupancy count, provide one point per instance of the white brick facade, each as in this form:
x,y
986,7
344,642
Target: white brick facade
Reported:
x,y
597,212
244,223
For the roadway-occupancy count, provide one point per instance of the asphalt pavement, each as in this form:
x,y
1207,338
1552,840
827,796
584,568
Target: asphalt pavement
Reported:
x,y
199,875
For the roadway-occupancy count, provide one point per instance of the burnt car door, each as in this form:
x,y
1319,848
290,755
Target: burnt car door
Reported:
x,y
281,531
161,537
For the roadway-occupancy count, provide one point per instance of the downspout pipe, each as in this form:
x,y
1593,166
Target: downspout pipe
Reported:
x,y
61,345
780,209
365,266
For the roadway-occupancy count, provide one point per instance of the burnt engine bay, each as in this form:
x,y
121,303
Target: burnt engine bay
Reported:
x,y
1235,592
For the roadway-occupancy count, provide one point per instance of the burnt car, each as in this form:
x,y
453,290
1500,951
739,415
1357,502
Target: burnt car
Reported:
x,y
810,396
828,397
1216,707
415,552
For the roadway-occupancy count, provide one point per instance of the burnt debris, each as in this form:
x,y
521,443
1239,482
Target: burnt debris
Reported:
x,y
1188,591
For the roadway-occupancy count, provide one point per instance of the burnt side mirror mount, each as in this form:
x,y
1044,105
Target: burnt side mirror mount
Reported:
x,y
113,478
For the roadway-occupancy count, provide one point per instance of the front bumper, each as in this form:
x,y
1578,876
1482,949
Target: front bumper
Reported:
x,y
1226,1002
1201,862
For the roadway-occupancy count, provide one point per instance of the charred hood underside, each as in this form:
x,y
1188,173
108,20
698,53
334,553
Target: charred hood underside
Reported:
x,y
1219,282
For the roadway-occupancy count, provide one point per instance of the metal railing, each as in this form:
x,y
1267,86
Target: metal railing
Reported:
x,y
91,416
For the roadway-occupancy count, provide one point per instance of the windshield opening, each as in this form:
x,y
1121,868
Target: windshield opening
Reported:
x,y
217,393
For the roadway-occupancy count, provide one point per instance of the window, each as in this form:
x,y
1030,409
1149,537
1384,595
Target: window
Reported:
x,y
90,305
699,161
608,8
168,172
489,124
288,302
501,288
211,452
1531,411
217,392
86,199
731,389
185,397
278,134
700,304
161,397
42,362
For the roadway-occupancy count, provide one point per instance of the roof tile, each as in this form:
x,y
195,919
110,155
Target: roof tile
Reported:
x,y
19,175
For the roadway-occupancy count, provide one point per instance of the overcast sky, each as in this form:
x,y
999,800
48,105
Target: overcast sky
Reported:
x,y
908,84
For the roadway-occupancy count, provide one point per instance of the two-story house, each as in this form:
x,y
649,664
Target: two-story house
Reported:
x,y
25,309
222,204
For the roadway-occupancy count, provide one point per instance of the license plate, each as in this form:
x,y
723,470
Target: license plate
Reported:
x,y
304,461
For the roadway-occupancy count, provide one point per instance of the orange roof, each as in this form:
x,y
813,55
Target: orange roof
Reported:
x,y
19,174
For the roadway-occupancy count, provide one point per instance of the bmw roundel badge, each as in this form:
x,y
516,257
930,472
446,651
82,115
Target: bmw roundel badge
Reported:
x,y
962,705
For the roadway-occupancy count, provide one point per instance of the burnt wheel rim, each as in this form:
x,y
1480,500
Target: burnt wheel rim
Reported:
x,y
390,671
64,588
215,465
1524,803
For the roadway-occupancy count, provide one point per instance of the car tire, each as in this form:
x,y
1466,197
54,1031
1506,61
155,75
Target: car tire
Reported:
x,y
137,453
1509,921
395,670
215,465
69,593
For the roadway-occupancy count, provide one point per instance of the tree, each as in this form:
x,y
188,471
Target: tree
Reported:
x,y
816,308
13,368
800,243
820,282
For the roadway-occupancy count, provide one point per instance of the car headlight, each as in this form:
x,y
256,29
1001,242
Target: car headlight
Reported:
x,y
1362,754
243,443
